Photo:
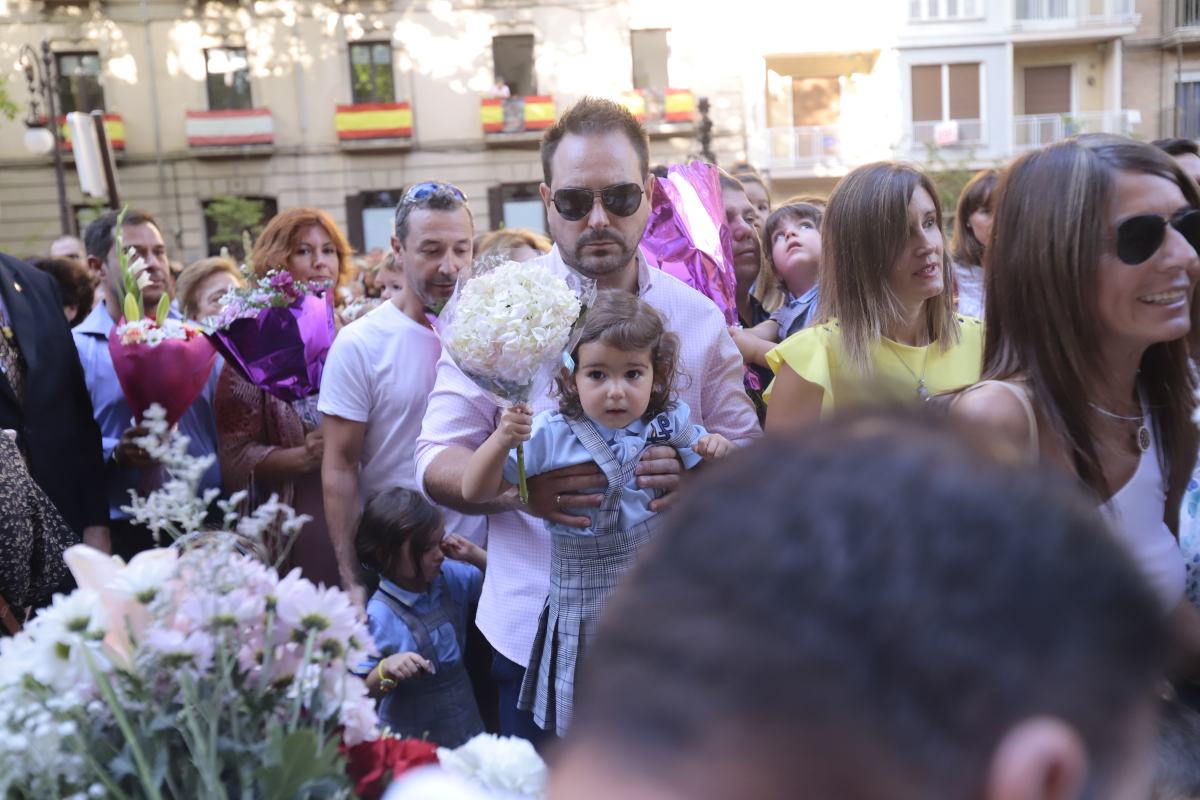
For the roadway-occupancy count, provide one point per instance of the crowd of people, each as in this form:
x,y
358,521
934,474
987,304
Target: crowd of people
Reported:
x,y
961,555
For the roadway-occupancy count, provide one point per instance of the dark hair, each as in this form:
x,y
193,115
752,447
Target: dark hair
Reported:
x,y
441,199
100,233
391,519
792,211
75,284
895,599
965,245
1050,225
1177,147
595,116
624,321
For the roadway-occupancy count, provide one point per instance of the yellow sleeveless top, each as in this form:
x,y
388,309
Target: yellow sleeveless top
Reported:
x,y
817,356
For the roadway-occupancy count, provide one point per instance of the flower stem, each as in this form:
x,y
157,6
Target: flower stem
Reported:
x,y
522,487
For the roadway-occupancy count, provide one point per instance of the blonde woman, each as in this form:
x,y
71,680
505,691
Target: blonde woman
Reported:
x,y
886,327
202,284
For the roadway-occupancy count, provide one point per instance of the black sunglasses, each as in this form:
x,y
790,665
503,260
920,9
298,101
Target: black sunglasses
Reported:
x,y
575,204
1138,238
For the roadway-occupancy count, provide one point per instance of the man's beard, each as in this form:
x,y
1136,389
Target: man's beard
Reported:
x,y
599,266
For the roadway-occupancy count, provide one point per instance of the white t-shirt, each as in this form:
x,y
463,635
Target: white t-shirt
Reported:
x,y
380,371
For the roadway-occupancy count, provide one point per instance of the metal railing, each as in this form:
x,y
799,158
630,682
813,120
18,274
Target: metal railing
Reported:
x,y
800,148
1034,12
948,133
1035,131
1187,13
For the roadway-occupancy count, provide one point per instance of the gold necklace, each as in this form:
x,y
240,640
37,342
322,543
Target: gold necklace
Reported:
x,y
922,389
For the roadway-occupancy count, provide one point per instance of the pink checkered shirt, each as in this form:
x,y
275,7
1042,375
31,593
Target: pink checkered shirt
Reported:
x,y
459,413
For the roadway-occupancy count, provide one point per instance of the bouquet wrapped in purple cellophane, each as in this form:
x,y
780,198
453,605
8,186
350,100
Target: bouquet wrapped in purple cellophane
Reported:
x,y
277,333
686,235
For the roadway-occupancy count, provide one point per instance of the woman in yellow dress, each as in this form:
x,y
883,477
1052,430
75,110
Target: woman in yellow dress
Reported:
x,y
888,331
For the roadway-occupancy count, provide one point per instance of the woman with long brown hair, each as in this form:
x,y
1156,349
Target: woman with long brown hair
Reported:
x,y
972,230
1090,297
269,446
886,327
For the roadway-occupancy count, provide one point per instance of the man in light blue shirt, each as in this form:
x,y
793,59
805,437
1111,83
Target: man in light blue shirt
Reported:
x,y
128,466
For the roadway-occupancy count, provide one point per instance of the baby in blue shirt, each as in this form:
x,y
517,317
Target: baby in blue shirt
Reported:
x,y
616,399
418,618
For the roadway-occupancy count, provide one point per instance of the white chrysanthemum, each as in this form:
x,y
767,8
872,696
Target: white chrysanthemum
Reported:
x,y
499,763
508,323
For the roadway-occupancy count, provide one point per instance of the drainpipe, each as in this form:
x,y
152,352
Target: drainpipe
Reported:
x,y
158,153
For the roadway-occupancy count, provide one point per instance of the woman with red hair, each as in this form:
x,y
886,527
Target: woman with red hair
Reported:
x,y
267,446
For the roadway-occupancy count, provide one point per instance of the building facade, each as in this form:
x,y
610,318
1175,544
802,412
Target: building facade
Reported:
x,y
341,105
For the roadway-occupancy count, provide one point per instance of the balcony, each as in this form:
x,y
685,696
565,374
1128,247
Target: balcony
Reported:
x,y
948,133
806,151
114,127
1182,23
664,113
1075,18
244,132
1031,132
374,126
516,119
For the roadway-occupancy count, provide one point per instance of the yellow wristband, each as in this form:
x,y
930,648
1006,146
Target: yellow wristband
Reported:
x,y
386,684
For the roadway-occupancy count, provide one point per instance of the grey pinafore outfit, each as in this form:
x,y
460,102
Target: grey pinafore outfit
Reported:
x,y
584,570
441,706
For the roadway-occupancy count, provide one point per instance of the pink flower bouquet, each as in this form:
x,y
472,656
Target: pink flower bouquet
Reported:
x,y
157,359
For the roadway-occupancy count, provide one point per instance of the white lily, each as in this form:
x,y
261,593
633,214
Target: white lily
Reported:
x,y
137,264
144,279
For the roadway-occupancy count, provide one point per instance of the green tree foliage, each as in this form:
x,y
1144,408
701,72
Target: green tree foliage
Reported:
x,y
7,107
233,218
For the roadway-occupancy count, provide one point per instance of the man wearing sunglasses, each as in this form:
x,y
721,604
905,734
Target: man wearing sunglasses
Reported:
x,y
597,192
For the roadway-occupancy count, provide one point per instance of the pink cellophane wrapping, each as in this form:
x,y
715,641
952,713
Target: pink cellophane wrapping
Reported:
x,y
686,235
281,350
172,374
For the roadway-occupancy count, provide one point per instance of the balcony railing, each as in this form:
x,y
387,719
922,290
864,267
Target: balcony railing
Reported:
x,y
1187,13
808,148
114,128
516,114
1031,132
654,107
373,121
948,133
225,129
1063,13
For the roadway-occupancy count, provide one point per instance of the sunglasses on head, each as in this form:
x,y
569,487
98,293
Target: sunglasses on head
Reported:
x,y
1138,238
622,199
419,191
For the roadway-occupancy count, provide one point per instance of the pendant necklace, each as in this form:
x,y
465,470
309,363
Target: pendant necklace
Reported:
x,y
922,389
1143,433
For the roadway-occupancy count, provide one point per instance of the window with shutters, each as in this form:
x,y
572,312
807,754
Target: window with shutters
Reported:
x,y
1047,90
79,82
650,55
371,77
932,10
947,103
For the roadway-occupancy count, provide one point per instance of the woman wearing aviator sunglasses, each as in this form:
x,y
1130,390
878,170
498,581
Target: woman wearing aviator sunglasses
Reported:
x,y
1090,298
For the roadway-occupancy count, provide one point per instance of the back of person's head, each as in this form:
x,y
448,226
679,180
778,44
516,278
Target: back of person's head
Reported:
x,y
596,116
1177,147
75,284
193,276
874,611
392,521
625,322
1050,228
977,194
100,233
510,241
282,234
866,231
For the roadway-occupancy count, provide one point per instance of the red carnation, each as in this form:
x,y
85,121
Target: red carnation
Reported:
x,y
374,765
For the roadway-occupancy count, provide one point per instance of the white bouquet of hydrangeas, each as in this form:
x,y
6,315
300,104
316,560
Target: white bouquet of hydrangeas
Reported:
x,y
508,325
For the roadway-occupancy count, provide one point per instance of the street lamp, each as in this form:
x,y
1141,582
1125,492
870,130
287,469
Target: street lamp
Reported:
x,y
42,133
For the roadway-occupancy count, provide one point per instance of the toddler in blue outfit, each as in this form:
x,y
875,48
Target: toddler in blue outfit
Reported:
x,y
616,399
418,618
